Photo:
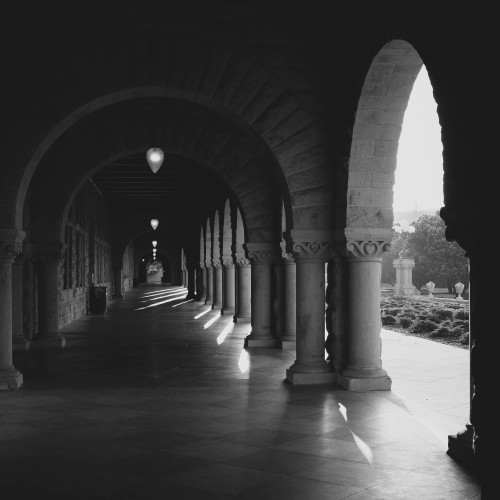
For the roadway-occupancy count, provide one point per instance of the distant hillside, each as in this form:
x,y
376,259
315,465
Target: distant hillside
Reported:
x,y
412,215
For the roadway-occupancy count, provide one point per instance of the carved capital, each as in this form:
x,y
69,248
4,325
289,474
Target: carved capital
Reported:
x,y
208,264
367,249
261,252
216,264
286,257
48,253
11,244
313,251
242,261
227,261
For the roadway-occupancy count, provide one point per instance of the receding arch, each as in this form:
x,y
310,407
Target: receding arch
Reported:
x,y
377,128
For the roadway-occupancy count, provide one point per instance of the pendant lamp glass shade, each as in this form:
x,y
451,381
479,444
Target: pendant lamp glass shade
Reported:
x,y
154,223
155,243
154,157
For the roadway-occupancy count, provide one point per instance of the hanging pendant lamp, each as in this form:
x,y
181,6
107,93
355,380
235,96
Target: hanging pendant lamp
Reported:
x,y
155,243
154,157
154,223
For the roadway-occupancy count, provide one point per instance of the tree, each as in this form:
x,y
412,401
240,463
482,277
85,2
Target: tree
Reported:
x,y
436,259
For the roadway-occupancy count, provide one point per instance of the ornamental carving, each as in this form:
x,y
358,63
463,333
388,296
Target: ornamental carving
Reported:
x,y
313,251
227,261
10,250
216,264
242,261
364,249
260,256
286,257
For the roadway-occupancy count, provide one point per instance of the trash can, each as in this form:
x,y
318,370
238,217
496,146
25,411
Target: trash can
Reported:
x,y
97,299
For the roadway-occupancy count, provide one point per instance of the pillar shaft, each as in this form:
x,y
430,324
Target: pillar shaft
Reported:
x,y
229,300
244,291
210,285
19,341
289,302
203,282
261,257
218,284
10,247
310,367
364,370
191,285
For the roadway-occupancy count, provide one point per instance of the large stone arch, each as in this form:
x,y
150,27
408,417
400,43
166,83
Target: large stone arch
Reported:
x,y
377,128
216,76
207,139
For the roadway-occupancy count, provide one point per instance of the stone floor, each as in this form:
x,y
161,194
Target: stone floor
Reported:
x,y
157,399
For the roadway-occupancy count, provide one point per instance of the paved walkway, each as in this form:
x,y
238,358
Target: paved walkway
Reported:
x,y
157,399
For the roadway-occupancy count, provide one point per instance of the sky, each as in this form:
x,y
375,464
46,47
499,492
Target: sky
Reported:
x,y
419,171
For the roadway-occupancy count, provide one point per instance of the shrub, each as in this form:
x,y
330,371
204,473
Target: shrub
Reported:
x,y
405,321
461,314
443,313
442,331
435,318
458,331
464,338
393,312
424,326
388,320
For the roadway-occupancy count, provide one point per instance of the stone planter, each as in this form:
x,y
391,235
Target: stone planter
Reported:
x,y
404,285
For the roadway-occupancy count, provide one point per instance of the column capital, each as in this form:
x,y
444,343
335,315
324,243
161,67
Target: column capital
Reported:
x,y
261,252
48,253
286,257
227,261
367,249
11,244
313,251
241,261
216,264
208,264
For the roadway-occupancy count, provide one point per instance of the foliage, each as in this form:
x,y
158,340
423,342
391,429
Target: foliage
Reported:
x,y
436,259
154,267
443,321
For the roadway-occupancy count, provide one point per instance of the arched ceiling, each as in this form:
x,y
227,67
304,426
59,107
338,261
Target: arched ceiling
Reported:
x,y
128,181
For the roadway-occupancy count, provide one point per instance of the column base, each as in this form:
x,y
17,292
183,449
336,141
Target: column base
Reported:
x,y
10,378
261,340
242,319
52,342
310,373
216,306
228,311
365,380
117,296
20,344
460,447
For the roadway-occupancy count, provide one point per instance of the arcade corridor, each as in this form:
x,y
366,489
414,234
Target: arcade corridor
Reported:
x,y
150,403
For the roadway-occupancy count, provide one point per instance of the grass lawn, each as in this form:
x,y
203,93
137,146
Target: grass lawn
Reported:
x,y
445,321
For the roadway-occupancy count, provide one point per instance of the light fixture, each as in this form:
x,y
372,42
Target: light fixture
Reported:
x,y
155,243
154,223
154,157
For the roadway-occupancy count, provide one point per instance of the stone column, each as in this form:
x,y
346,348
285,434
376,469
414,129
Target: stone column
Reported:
x,y
210,283
117,281
404,285
261,255
288,336
190,283
19,341
244,290
10,247
229,285
311,366
203,283
49,257
217,303
364,370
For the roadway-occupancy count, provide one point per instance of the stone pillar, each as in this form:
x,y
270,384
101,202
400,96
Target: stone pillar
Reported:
x,y
203,282
210,283
311,366
19,341
228,294
404,284
289,290
10,247
261,255
244,290
364,370
190,283
49,257
217,303
117,281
